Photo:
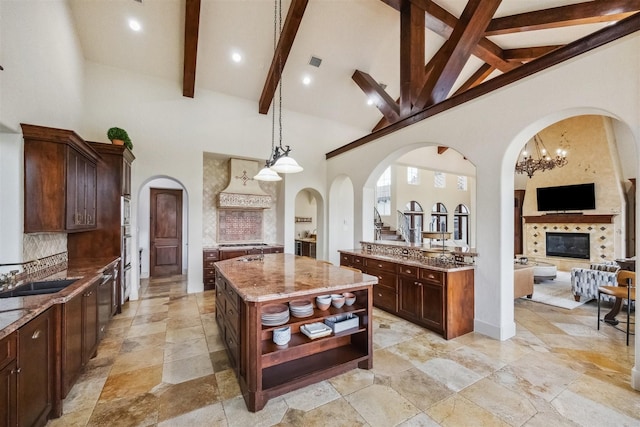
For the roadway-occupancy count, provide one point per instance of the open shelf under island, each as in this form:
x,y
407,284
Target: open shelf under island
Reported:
x,y
247,284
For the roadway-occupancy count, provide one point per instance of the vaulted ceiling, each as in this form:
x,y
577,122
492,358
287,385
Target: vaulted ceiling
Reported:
x,y
403,55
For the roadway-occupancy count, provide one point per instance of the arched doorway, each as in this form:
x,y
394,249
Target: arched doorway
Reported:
x,y
415,218
144,233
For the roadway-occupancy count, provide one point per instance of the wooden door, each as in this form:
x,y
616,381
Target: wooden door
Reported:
x,y
165,232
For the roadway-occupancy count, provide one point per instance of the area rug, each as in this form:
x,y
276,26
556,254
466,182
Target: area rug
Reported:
x,y
556,292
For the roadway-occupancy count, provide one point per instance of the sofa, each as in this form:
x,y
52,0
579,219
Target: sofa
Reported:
x,y
522,281
585,281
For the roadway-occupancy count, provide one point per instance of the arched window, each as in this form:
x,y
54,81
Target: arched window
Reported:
x,y
439,221
415,216
461,223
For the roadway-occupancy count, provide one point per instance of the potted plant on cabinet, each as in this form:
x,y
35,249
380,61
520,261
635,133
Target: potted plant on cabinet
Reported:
x,y
119,136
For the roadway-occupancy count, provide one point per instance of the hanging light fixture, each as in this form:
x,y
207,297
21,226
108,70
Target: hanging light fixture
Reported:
x,y
542,160
279,159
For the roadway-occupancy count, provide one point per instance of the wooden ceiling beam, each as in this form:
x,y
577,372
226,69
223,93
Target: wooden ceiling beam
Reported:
x,y
452,57
412,58
527,54
191,28
478,77
387,106
574,14
606,35
441,22
283,48
442,149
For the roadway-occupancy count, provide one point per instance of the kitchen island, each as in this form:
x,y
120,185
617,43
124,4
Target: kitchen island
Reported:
x,y
246,285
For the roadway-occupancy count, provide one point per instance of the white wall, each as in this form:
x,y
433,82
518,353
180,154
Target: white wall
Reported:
x,y
490,131
171,132
42,79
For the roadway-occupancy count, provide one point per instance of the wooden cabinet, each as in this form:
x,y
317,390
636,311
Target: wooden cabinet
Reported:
x,y
35,371
105,296
113,183
266,370
81,192
59,181
8,380
442,301
79,334
209,257
228,319
385,293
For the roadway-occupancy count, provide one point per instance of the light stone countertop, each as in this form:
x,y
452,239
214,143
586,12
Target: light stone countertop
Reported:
x,y
280,276
429,262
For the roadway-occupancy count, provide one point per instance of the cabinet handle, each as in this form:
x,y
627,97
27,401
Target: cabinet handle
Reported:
x,y
36,334
380,265
380,295
407,271
16,371
230,341
431,276
230,312
417,283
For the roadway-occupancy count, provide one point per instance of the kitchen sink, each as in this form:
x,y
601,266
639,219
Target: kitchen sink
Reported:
x,y
38,288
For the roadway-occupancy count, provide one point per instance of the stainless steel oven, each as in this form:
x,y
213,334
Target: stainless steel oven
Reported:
x,y
127,253
125,207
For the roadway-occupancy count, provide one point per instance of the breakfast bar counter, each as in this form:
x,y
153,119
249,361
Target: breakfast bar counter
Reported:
x,y
249,287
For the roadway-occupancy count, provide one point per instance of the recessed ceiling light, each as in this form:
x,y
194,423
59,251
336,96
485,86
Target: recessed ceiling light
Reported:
x,y
306,80
236,57
135,25
370,101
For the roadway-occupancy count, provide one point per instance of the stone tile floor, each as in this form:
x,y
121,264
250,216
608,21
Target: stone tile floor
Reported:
x,y
163,364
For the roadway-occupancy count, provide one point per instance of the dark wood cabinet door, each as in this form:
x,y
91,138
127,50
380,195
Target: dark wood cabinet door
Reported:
x,y
90,194
104,305
432,305
409,297
74,178
228,254
71,342
35,375
8,390
166,232
90,318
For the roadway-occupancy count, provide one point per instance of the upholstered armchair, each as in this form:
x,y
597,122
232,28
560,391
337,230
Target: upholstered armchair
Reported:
x,y
585,281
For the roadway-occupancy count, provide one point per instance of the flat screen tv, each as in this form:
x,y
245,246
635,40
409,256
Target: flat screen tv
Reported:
x,y
577,197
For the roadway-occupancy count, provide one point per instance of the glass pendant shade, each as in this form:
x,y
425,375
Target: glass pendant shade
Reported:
x,y
267,174
286,164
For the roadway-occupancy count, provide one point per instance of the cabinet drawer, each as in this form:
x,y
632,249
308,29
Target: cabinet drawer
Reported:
x,y
389,280
7,349
385,298
210,255
232,318
231,297
358,262
432,276
231,342
209,263
209,281
376,265
209,272
408,271
346,259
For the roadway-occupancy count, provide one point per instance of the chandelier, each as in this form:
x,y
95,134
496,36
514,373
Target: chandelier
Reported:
x,y
279,159
542,160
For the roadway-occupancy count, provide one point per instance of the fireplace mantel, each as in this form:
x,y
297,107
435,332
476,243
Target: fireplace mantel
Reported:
x,y
569,218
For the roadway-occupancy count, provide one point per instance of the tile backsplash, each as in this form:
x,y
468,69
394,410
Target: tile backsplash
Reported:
x,y
40,245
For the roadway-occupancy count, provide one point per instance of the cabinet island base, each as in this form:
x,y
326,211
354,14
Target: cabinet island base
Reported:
x,y
265,370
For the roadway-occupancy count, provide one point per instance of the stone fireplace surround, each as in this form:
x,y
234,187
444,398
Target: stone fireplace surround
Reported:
x,y
600,228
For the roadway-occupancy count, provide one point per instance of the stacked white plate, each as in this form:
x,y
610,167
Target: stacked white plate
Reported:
x,y
275,314
301,308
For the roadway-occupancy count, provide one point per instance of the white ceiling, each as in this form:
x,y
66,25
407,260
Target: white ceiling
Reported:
x,y
346,34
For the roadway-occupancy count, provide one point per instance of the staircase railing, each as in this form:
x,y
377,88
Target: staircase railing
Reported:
x,y
404,228
377,224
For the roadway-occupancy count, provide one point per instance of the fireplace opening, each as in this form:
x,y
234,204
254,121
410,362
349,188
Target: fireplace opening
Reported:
x,y
569,245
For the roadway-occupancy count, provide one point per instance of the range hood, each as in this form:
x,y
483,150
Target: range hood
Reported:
x,y
243,192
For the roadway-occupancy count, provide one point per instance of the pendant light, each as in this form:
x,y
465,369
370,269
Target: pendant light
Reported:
x,y
279,160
